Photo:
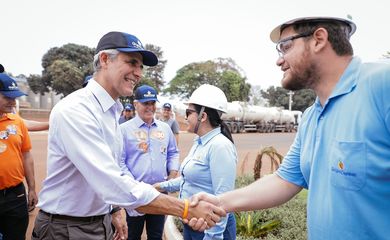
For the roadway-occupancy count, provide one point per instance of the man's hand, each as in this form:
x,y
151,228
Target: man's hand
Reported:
x,y
204,212
202,223
120,226
32,200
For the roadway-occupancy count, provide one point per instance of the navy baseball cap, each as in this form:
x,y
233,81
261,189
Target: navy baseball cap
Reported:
x,y
129,107
9,88
125,42
167,105
145,93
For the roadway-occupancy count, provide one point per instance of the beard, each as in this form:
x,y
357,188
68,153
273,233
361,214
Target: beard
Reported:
x,y
304,75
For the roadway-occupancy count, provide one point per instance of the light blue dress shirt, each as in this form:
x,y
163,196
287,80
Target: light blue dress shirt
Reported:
x,y
342,155
209,167
84,150
149,152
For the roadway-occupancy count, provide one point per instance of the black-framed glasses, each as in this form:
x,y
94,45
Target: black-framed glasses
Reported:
x,y
189,111
284,45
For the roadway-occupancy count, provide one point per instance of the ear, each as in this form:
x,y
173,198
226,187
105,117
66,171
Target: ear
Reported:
x,y
204,117
103,58
321,39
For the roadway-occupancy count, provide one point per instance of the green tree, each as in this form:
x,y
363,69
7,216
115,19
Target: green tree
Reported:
x,y
222,72
64,69
278,97
154,76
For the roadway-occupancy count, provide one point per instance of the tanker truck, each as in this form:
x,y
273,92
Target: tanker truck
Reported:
x,y
242,117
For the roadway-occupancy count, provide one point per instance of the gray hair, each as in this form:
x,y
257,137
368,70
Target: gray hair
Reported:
x,y
112,54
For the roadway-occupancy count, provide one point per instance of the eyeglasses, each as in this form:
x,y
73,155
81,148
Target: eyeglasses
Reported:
x,y
284,45
189,111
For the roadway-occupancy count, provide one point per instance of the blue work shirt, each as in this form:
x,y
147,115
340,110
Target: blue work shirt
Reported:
x,y
84,149
341,153
149,152
209,167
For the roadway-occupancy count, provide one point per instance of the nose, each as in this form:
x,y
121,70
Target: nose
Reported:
x,y
138,73
280,61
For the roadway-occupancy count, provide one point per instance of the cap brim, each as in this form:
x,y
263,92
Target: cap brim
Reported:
x,y
147,100
13,94
149,58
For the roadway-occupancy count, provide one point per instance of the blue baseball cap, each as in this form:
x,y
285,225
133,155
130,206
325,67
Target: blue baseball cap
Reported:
x,y
167,105
129,107
9,88
145,93
125,42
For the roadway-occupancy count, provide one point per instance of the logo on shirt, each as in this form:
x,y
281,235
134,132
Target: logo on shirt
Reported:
x,y
11,129
158,135
143,146
341,169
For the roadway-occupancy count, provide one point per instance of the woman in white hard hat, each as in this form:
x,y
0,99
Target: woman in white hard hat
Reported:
x,y
211,163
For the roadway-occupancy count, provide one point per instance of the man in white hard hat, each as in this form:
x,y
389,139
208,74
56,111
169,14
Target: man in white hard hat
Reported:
x,y
342,149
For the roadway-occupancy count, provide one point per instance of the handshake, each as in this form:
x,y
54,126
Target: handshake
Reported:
x,y
202,211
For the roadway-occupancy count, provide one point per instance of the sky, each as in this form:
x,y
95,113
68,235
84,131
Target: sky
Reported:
x,y
187,30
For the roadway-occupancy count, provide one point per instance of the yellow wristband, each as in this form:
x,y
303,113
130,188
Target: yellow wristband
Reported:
x,y
185,212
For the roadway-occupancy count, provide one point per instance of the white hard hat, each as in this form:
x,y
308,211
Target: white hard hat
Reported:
x,y
275,33
209,96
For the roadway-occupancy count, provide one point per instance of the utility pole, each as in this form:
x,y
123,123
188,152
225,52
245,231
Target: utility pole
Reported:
x,y
290,93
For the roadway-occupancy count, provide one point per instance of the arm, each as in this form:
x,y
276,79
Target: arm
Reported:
x,y
28,164
172,185
269,191
172,156
122,160
35,125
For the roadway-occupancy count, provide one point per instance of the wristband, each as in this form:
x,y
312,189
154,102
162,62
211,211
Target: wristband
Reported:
x,y
185,212
114,210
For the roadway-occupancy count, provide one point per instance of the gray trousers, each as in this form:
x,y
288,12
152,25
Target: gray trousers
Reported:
x,y
47,227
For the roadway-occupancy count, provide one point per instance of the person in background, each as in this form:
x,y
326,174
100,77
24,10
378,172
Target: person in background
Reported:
x,y
127,114
85,188
150,155
30,124
210,165
16,164
341,151
168,119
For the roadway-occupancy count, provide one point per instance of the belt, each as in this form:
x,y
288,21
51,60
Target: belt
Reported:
x,y
71,218
4,191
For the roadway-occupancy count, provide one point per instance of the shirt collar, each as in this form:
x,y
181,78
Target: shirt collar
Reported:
x,y
208,136
8,116
102,96
346,83
139,122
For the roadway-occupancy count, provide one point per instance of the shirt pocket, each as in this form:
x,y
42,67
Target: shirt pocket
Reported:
x,y
348,165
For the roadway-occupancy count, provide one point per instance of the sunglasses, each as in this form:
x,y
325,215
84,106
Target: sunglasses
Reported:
x,y
189,111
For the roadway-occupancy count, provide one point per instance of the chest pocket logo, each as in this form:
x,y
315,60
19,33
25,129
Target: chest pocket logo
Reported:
x,y
348,168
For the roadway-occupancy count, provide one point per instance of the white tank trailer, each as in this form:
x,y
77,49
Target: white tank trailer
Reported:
x,y
242,117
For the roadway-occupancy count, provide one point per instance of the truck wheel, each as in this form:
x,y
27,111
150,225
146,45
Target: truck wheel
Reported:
x,y
234,128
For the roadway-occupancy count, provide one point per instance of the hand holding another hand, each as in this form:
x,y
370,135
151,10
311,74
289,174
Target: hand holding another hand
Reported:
x,y
204,211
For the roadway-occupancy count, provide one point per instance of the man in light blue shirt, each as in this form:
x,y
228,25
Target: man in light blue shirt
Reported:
x,y
341,152
150,155
84,182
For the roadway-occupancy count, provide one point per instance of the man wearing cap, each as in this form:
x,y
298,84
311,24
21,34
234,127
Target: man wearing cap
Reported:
x,y
84,182
150,155
16,164
168,119
127,114
341,151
